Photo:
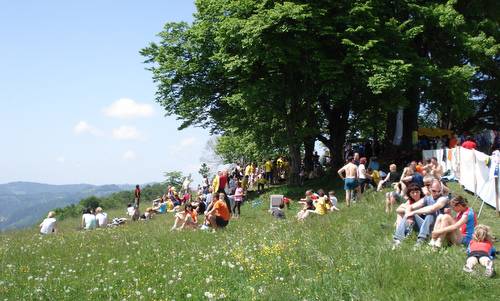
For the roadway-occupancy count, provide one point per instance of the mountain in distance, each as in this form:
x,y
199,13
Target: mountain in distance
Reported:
x,y
22,204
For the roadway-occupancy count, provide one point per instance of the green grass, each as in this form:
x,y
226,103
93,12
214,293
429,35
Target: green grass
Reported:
x,y
343,256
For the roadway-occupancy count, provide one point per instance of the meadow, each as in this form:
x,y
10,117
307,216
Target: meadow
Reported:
x,y
343,256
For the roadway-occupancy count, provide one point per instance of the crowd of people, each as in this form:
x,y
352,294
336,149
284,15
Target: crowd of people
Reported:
x,y
425,206
422,203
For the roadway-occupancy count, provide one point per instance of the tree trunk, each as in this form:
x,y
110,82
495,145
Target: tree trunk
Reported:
x,y
308,154
294,152
410,119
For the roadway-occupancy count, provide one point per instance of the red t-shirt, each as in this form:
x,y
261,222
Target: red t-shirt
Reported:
x,y
469,144
222,182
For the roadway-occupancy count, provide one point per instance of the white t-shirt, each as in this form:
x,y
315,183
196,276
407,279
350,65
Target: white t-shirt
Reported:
x,y
89,221
48,225
130,211
102,219
361,171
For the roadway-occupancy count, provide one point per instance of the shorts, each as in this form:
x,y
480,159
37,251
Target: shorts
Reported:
x,y
221,222
478,254
350,183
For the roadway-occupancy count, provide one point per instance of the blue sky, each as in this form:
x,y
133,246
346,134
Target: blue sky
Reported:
x,y
77,105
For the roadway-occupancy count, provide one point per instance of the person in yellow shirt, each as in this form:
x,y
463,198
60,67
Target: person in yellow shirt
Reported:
x,y
268,166
321,204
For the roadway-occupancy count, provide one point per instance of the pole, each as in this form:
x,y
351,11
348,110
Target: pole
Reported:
x,y
497,196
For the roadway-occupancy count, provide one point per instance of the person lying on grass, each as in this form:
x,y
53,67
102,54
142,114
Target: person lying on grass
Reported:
x,y
481,250
455,231
188,218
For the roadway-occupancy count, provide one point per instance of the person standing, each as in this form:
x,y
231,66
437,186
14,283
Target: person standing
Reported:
x,y
137,195
350,179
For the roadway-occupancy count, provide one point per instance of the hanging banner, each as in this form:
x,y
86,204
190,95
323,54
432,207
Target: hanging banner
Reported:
x,y
474,170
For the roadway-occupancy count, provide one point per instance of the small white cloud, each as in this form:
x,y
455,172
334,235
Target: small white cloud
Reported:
x,y
126,133
61,159
128,108
83,127
129,155
188,141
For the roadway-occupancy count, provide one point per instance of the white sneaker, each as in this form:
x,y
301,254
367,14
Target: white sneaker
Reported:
x,y
396,244
489,272
467,269
204,227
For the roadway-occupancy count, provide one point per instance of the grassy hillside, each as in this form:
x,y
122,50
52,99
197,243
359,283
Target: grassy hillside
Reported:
x,y
24,203
343,256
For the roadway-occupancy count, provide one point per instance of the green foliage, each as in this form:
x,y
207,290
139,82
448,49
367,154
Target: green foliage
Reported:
x,y
173,178
204,170
90,202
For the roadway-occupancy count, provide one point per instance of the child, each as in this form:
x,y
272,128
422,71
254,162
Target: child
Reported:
x,y
278,212
333,201
481,250
286,202
238,199
188,218
261,182
48,226
308,208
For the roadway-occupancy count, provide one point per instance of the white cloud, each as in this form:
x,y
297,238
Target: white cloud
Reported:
x,y
128,108
126,133
61,159
129,155
187,141
83,127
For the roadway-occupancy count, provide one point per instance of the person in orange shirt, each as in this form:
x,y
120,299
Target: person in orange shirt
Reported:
x,y
189,218
219,216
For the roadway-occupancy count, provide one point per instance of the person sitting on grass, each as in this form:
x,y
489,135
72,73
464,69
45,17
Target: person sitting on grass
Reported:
x,y
424,212
456,231
332,200
481,250
89,221
308,208
413,194
101,217
160,207
187,218
48,226
148,214
278,212
321,202
392,177
219,216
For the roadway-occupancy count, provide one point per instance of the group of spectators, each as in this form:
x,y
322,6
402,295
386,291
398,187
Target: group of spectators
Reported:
x,y
424,207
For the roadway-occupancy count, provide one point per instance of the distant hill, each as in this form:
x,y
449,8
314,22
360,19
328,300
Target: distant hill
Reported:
x,y
24,203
